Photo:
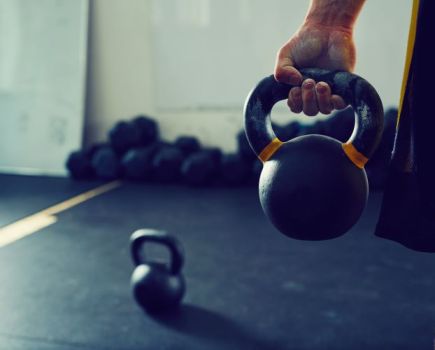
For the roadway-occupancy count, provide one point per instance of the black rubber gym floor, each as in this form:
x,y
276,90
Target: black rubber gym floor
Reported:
x,y
248,287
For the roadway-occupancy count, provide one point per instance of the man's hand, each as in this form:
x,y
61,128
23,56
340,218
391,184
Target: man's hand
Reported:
x,y
324,41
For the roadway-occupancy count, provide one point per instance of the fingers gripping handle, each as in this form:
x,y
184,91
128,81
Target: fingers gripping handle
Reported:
x,y
355,90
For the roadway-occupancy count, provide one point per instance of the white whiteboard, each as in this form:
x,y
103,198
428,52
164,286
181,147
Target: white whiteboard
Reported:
x,y
207,54
42,83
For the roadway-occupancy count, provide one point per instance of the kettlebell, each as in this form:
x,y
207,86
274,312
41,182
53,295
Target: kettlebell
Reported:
x,y
157,286
314,187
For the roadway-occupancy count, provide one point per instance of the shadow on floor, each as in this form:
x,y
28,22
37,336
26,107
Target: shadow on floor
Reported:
x,y
214,327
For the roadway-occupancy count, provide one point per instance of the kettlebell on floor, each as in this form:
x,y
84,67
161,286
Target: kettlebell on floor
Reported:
x,y
314,187
157,286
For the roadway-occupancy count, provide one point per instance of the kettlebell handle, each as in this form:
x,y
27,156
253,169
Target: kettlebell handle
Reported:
x,y
355,91
140,237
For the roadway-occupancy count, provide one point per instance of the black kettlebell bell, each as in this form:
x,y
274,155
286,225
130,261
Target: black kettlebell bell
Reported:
x,y
157,286
313,187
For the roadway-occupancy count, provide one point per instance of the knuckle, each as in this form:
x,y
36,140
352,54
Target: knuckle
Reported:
x,y
280,74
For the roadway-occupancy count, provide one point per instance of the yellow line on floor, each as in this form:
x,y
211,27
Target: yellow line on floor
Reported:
x,y
33,223
72,202
25,227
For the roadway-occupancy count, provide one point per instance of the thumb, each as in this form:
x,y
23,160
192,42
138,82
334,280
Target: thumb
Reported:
x,y
285,72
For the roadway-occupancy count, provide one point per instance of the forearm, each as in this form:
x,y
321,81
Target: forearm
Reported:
x,y
334,13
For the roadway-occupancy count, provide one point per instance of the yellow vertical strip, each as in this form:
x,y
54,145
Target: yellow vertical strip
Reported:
x,y
270,149
409,53
354,155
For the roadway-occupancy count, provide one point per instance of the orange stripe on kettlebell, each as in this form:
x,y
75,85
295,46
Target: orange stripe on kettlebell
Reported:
x,y
354,155
270,149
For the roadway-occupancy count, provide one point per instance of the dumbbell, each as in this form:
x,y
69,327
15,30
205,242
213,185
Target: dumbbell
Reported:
x,y
215,153
141,131
148,130
199,168
106,163
157,286
314,187
243,147
123,136
166,164
187,144
235,170
137,163
79,165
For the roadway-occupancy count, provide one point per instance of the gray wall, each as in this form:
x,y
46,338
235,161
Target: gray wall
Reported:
x,y
190,63
42,83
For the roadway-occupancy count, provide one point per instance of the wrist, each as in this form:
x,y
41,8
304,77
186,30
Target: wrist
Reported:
x,y
341,24
334,14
